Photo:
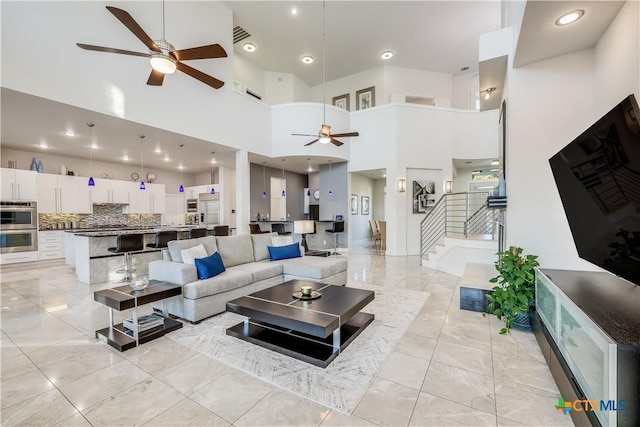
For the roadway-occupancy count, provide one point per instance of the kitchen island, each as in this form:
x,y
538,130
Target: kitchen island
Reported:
x,y
95,264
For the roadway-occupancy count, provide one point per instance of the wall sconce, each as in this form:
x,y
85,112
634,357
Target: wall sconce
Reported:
x,y
448,186
488,92
401,185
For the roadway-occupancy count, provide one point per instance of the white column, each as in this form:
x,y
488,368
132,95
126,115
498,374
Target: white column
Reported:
x,y
243,190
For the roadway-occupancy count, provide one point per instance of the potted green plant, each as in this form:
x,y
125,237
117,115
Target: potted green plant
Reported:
x,y
515,290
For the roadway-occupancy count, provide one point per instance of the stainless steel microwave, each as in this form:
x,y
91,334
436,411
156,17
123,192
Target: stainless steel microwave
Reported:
x,y
192,205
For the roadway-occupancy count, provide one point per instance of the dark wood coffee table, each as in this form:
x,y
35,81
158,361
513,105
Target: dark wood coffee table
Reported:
x,y
122,298
314,331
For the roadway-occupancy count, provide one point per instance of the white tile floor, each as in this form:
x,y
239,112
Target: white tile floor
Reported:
x,y
451,367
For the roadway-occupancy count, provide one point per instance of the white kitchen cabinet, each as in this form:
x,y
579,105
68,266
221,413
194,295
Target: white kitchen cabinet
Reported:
x,y
50,244
19,184
112,191
148,201
193,192
63,194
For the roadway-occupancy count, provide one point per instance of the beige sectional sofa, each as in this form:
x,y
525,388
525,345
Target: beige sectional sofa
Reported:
x,y
248,270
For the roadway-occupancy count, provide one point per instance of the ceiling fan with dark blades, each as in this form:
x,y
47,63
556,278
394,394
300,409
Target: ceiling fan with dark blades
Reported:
x,y
325,136
164,58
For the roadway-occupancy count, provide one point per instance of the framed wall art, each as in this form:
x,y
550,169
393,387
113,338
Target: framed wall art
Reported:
x,y
366,98
341,101
424,196
354,204
364,205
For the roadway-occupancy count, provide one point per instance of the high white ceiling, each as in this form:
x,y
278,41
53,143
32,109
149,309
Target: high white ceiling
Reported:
x,y
438,36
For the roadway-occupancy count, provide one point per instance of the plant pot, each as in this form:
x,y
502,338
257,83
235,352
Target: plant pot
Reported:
x,y
522,320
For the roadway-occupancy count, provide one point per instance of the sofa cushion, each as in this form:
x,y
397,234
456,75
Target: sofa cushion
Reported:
x,y
230,279
281,240
209,266
235,250
284,252
313,267
260,270
176,246
260,243
189,255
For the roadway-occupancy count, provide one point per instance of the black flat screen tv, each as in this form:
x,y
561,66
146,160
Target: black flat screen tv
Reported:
x,y
598,178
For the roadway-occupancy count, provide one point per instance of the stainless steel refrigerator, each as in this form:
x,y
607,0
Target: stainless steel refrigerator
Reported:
x,y
209,209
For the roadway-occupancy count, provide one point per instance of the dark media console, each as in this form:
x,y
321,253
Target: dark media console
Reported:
x,y
588,327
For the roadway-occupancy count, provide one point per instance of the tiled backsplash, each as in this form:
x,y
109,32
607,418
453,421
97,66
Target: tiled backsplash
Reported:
x,y
102,215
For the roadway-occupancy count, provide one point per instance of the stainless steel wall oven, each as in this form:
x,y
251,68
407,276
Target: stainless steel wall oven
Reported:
x,y
18,226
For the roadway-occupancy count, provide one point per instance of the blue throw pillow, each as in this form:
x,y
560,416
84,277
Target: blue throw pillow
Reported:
x,y
209,266
284,252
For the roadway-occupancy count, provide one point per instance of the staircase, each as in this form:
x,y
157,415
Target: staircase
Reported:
x,y
460,229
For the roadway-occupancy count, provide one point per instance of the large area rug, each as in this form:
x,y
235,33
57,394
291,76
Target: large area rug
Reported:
x,y
343,383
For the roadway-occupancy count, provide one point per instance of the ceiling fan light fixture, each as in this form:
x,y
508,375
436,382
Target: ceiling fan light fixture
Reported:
x,y
162,63
324,139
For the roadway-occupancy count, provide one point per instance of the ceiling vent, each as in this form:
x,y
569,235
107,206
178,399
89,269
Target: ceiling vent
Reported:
x,y
239,34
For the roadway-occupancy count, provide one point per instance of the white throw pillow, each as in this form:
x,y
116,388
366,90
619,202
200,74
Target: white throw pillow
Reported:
x,y
281,240
189,255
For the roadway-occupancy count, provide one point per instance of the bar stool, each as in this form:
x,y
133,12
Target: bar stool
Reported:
x,y
255,228
221,230
162,238
279,228
197,232
336,227
125,244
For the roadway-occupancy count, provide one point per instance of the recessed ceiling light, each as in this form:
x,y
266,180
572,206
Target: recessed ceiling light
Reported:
x,y
157,150
387,54
570,17
495,162
125,158
166,158
293,11
70,133
180,167
43,145
94,146
249,47
307,59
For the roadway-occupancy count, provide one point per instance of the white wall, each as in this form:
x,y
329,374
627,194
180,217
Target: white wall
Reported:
x,y
377,199
617,59
249,76
278,88
413,82
350,84
476,134
550,103
359,224
460,90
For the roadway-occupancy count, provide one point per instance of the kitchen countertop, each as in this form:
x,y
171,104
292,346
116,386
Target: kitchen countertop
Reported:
x,y
106,232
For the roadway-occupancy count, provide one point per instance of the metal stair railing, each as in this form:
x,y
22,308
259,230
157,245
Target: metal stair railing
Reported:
x,y
458,214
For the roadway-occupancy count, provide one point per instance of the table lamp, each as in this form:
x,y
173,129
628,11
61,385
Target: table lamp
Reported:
x,y
304,227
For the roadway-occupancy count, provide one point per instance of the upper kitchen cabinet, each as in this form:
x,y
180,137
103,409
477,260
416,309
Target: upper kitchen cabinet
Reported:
x,y
63,194
111,191
150,200
19,184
